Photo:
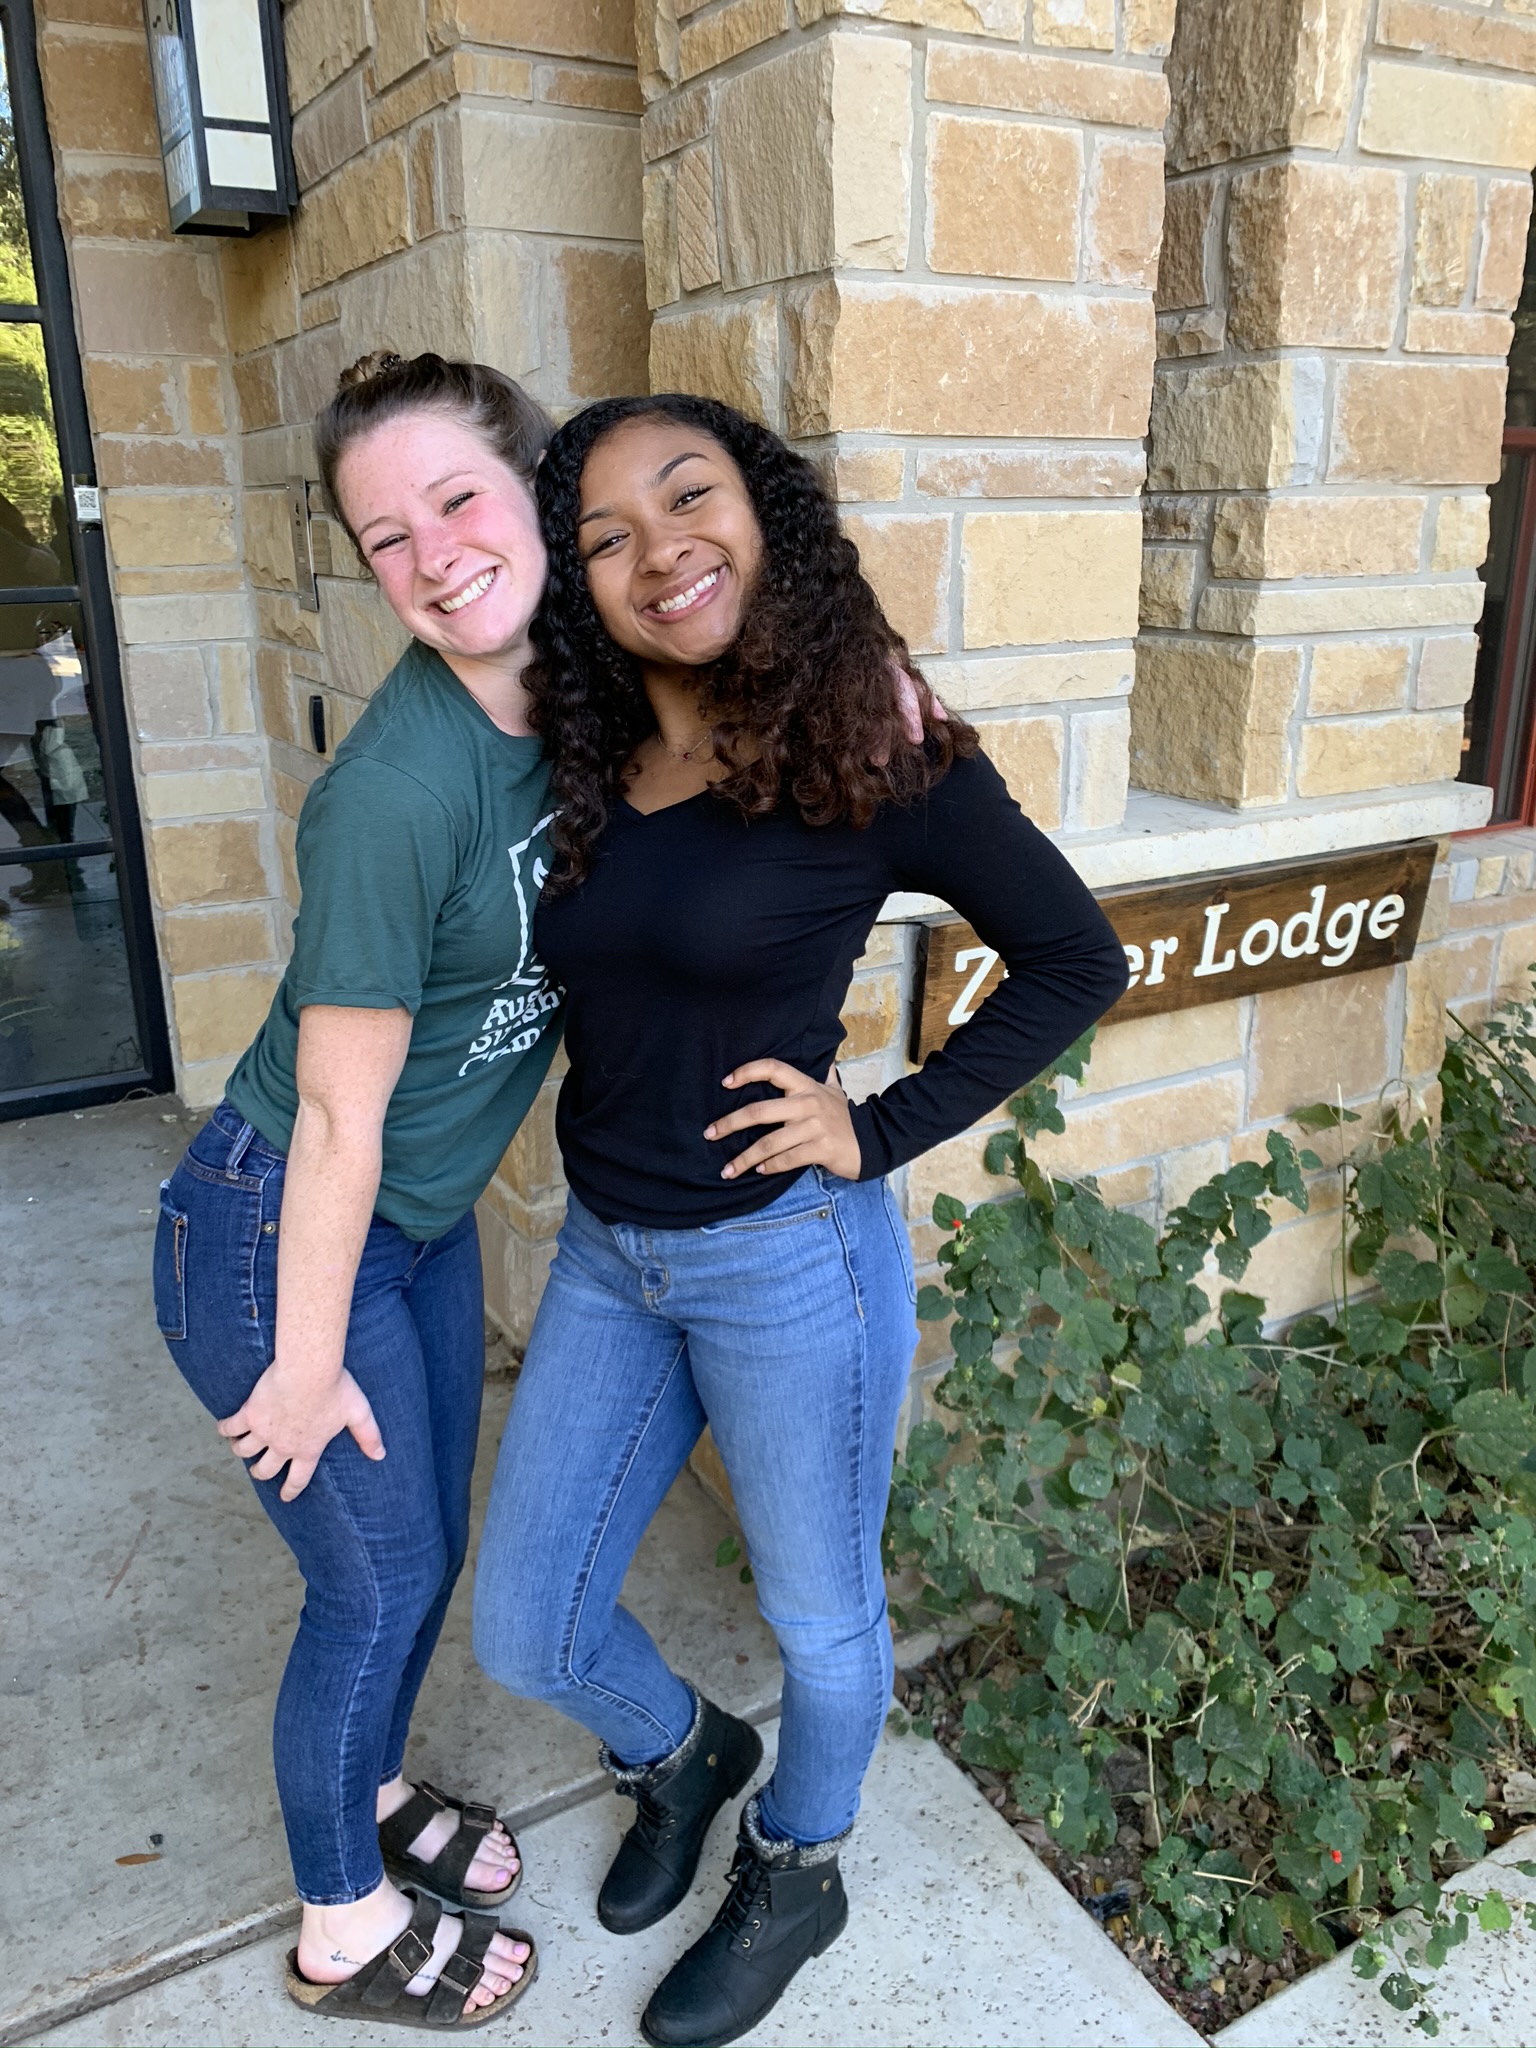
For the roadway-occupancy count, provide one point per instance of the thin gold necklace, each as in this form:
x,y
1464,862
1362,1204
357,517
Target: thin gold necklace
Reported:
x,y
684,753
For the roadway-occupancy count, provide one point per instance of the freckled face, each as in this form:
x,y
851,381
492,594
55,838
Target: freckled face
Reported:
x,y
451,533
670,540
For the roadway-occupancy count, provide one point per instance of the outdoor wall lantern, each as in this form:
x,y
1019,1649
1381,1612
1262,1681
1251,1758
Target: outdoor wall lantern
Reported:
x,y
221,99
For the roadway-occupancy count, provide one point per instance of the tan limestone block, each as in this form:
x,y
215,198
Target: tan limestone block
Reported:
x,y
1454,116
1314,256
1233,426
1491,870
1180,1173
1437,905
1316,535
99,95
158,529
400,40
363,638
739,25
1424,1028
1510,908
229,673
278,617
1202,333
600,90
205,398
1038,577
160,461
1168,586
1517,955
130,398
607,326
145,300
1446,670
1298,1267
1098,769
544,173
194,941
176,582
1466,967
472,294
153,621
1417,423
275,697
1028,754
871,150
671,123
867,475
1357,675
604,29
1091,472
530,1166
219,1014
698,235
323,38
1003,198
1182,277
965,75
217,862
1123,232
125,203
1161,1119
256,393
1000,18
1461,533
929,360
359,215
1451,32
427,209
1075,24
730,353
1158,1048
1249,77
663,262
884,947
309,365
1149,27
1501,266
906,559
1434,330
202,793
1209,719
1445,219
268,540
329,130
1317,1040
993,681
168,693
1344,608
1348,754
94,13
871,1015
260,293
433,87
955,1168
1175,516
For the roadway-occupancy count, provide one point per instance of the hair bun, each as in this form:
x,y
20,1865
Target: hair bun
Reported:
x,y
378,363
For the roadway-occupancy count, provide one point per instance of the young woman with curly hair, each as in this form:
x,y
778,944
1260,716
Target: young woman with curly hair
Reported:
x,y
737,796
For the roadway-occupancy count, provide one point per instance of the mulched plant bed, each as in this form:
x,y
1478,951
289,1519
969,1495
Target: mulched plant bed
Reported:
x,y
1107,1885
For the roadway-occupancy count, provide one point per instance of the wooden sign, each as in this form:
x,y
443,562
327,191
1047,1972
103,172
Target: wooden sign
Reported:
x,y
1201,941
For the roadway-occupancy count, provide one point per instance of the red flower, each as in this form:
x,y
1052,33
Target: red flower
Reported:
x,y
1337,1855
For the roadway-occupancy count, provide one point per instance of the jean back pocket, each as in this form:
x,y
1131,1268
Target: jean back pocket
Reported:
x,y
171,1267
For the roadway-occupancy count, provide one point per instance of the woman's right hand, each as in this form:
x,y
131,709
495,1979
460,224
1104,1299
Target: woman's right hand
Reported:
x,y
288,1420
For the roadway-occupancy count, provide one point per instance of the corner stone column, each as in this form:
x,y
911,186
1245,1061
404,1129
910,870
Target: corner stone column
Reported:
x,y
1346,220
921,242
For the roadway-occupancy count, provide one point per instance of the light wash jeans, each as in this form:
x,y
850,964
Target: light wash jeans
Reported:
x,y
790,1332
380,1545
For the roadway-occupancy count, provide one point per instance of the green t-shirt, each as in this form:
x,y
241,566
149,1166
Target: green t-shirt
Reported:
x,y
421,851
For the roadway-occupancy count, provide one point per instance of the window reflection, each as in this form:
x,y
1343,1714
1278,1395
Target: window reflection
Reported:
x,y
34,539
16,282
51,789
66,1007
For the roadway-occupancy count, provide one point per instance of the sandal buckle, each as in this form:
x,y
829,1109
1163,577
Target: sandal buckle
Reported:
x,y
410,1951
482,1818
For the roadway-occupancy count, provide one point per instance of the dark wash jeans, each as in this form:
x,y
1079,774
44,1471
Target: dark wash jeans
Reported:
x,y
380,1545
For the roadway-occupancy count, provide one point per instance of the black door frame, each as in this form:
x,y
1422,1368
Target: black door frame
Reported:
x,y
92,592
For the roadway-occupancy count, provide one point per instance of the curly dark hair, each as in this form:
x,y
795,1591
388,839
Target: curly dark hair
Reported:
x,y
803,705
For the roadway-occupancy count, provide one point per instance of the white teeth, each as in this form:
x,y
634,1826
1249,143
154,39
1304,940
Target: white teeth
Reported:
x,y
686,597
469,593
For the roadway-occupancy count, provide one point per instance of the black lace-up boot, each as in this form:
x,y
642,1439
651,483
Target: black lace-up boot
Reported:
x,y
786,1904
677,1798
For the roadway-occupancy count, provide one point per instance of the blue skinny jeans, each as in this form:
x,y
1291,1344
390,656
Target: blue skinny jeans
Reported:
x,y
379,1544
790,1332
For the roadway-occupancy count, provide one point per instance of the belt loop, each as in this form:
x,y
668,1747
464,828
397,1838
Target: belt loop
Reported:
x,y
239,1148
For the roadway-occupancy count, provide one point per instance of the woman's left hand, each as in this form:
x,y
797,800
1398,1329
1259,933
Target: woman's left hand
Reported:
x,y
814,1127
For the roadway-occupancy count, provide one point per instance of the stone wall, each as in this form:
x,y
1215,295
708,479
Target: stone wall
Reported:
x,y
1347,203
150,319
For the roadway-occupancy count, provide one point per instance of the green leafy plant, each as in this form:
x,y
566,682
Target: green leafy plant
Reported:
x,y
1233,1575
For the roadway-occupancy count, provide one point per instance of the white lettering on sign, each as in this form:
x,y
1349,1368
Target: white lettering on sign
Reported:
x,y
1299,936
986,959
1292,944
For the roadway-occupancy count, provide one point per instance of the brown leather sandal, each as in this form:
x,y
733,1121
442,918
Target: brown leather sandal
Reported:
x,y
377,1994
443,1875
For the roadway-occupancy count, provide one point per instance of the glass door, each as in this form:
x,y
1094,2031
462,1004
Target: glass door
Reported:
x,y
81,1017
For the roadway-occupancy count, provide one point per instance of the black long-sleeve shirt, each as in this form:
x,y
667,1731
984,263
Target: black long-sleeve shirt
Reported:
x,y
701,940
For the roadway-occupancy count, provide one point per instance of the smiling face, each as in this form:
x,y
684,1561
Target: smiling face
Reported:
x,y
671,543
451,533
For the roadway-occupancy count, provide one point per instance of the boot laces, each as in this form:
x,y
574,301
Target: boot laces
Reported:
x,y
654,1820
748,1899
